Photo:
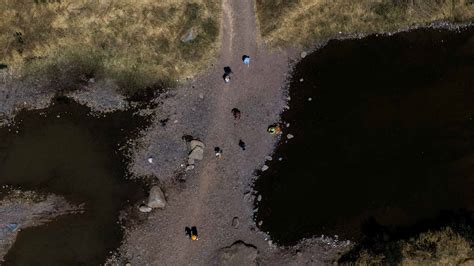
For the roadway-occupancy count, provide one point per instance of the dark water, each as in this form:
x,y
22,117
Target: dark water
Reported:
x,y
76,156
387,138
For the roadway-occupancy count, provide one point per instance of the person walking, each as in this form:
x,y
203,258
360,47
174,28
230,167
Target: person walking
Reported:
x,y
246,60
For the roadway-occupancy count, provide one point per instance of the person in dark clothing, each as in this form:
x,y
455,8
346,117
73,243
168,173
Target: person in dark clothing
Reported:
x,y
194,233
218,152
191,232
236,113
242,145
226,78
187,231
227,72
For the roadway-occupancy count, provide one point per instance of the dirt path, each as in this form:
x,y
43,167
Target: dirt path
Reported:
x,y
213,194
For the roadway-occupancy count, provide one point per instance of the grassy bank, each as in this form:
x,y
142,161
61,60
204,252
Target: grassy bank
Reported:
x,y
441,247
135,43
307,21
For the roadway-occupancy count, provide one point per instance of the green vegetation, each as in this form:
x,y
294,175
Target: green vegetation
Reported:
x,y
136,43
306,21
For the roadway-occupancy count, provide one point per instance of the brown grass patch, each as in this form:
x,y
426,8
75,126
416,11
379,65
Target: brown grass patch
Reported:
x,y
441,247
307,21
135,43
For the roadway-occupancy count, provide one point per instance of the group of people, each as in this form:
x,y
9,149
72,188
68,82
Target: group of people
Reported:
x,y
191,232
228,71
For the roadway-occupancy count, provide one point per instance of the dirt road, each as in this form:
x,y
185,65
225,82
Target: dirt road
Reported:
x,y
213,194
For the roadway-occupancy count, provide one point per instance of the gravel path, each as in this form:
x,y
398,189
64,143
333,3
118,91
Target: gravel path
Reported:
x,y
217,190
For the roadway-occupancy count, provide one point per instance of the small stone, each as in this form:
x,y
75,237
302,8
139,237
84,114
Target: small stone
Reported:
x,y
287,124
190,167
201,96
265,168
289,136
310,99
280,159
175,121
235,222
286,107
128,264
259,198
150,159
260,223
303,54
144,208
190,35
248,196
301,79
268,158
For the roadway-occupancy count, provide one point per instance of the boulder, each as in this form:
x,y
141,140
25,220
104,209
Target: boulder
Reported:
x,y
156,198
196,143
197,153
238,253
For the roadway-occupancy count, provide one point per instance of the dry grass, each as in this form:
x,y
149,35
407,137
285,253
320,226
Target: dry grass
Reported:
x,y
136,43
307,21
443,247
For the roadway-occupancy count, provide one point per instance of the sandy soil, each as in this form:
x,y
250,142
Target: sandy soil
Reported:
x,y
217,190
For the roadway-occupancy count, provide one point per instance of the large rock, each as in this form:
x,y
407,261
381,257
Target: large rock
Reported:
x,y
196,143
156,198
196,154
238,253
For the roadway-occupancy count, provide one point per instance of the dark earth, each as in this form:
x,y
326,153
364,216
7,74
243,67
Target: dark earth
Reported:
x,y
384,130
66,151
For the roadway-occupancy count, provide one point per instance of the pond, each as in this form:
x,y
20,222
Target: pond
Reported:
x,y
66,151
384,132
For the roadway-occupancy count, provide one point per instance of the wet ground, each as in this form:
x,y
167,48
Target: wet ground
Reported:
x,y
384,130
66,151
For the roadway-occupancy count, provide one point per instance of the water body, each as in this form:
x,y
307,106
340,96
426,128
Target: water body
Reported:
x,y
66,151
386,138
